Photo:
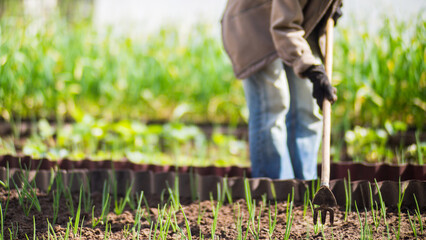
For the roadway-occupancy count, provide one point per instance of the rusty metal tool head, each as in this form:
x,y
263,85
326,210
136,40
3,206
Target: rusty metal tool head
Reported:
x,y
325,197
326,201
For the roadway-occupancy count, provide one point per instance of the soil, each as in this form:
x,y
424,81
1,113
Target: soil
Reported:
x,y
302,226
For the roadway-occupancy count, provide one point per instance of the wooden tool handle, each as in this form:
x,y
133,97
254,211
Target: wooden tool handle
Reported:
x,y
326,107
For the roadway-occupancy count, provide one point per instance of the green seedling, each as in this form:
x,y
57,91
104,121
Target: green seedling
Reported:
x,y
69,200
77,215
121,204
200,214
272,221
306,199
107,233
13,231
412,225
1,223
126,231
365,229
105,208
215,211
188,227
239,222
148,216
382,208
401,194
34,228
50,231
27,194
6,183
373,213
418,214
87,198
138,216
289,214
56,195
348,195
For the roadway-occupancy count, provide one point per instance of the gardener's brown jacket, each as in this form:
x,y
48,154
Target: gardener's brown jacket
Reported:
x,y
256,32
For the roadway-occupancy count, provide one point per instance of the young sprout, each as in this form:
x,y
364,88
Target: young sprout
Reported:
x,y
412,225
188,228
289,214
348,195
272,222
382,207
419,216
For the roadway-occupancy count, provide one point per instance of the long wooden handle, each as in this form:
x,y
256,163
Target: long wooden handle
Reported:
x,y
326,107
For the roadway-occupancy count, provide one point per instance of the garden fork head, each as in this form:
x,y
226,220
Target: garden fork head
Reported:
x,y
326,201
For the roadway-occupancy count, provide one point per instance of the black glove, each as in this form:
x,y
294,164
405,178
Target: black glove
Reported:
x,y
322,87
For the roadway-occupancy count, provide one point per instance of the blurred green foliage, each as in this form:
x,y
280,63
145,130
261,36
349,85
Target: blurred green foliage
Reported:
x,y
97,139
55,68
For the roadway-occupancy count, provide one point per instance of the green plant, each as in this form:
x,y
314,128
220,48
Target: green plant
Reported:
x,y
382,208
348,195
412,225
121,204
401,194
272,221
27,193
13,231
1,222
215,211
105,207
418,214
188,227
289,214
56,195
373,212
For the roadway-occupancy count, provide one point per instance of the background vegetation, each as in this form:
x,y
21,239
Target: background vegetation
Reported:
x,y
64,68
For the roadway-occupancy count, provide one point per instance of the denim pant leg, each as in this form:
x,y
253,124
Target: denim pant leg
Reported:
x,y
267,97
304,126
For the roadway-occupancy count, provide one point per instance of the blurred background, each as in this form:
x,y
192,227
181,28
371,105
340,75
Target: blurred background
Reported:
x,y
149,81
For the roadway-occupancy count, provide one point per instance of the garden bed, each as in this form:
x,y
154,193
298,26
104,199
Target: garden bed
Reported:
x,y
224,207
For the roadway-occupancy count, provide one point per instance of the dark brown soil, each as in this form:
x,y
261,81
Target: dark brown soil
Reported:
x,y
301,228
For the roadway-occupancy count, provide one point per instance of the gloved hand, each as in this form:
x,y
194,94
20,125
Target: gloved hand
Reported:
x,y
337,14
322,87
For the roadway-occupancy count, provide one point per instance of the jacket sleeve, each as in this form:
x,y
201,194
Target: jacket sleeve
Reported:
x,y
288,35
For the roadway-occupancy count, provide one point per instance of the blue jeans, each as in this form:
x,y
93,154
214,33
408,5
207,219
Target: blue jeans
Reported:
x,y
285,124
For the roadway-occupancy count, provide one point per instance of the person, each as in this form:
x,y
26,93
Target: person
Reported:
x,y
277,47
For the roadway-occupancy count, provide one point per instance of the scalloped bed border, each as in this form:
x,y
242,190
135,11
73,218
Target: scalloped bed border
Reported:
x,y
358,171
196,186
